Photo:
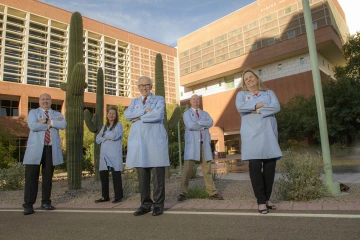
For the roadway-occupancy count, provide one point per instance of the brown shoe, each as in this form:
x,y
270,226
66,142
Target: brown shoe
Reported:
x,y
216,197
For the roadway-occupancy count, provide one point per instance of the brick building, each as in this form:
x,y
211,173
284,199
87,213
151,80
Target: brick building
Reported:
x,y
268,36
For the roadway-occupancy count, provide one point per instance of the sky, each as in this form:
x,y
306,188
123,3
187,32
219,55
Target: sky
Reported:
x,y
165,21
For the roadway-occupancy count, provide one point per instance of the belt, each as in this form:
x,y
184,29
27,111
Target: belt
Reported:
x,y
47,146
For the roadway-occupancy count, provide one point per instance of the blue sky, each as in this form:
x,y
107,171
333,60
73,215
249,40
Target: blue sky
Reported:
x,y
161,20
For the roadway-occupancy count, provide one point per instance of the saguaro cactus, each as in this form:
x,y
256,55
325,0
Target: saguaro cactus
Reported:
x,y
95,124
160,90
74,103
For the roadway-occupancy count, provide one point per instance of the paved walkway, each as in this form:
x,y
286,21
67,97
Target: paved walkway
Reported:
x,y
241,174
216,205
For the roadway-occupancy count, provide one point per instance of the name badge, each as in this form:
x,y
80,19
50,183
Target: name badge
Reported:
x,y
248,97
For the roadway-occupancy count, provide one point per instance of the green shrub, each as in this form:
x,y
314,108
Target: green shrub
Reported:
x,y
300,178
197,193
195,171
12,178
88,163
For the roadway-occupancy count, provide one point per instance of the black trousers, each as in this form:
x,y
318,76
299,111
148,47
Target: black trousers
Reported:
x,y
32,179
262,174
117,182
158,179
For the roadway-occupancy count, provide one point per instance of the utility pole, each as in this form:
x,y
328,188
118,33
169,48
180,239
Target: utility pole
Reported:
x,y
334,187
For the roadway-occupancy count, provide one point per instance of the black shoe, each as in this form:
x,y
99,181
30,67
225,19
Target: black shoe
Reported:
x,y
181,197
28,211
102,200
116,201
47,206
141,211
157,211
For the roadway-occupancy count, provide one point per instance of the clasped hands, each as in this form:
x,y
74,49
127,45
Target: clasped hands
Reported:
x,y
138,118
257,107
43,120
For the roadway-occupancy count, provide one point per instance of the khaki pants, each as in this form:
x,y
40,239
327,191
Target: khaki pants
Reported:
x,y
206,169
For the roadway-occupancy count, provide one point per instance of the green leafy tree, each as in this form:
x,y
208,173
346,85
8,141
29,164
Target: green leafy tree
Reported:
x,y
351,51
298,118
7,149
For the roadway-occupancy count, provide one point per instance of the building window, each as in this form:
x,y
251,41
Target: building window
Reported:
x,y
280,67
268,18
291,34
185,53
186,70
208,44
223,58
193,91
254,47
252,25
238,52
197,67
205,87
260,72
271,41
9,108
229,82
210,62
302,61
219,83
181,93
315,25
195,49
287,10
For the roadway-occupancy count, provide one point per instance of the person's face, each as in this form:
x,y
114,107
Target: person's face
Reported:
x,y
111,115
144,86
195,102
45,101
251,80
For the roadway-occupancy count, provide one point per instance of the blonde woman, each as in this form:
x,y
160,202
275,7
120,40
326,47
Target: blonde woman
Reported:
x,y
259,136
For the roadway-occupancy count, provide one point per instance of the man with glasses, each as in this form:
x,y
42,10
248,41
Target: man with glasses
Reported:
x,y
148,146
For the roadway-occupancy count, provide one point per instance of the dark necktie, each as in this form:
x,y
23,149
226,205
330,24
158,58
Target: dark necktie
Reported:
x,y
198,115
144,100
47,133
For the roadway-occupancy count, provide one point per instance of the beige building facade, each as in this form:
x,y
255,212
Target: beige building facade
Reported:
x,y
34,54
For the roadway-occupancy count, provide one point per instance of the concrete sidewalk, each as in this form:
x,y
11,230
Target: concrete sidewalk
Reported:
x,y
215,205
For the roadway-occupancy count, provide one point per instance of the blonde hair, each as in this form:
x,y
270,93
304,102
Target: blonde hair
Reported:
x,y
260,83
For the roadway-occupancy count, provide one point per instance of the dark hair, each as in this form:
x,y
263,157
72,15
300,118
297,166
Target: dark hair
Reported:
x,y
107,124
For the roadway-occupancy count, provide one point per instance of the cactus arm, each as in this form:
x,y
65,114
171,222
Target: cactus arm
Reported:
x,y
89,122
77,85
175,117
63,86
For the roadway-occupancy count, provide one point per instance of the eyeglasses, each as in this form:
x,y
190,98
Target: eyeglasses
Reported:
x,y
144,85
